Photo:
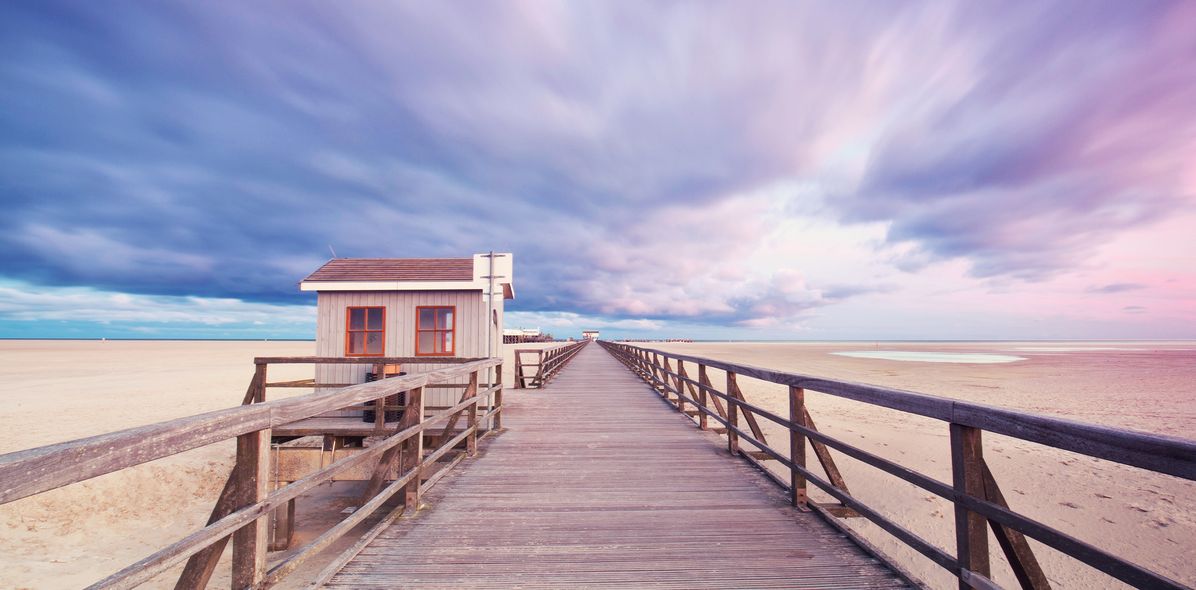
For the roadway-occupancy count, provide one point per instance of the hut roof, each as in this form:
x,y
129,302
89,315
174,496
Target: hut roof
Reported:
x,y
479,273
394,269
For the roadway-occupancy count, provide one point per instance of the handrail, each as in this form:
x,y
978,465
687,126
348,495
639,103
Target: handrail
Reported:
x,y
33,471
556,358
363,360
974,491
549,361
1155,452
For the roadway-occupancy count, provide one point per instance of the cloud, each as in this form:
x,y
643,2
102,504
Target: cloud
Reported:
x,y
1028,155
563,324
21,302
1115,288
623,151
1134,309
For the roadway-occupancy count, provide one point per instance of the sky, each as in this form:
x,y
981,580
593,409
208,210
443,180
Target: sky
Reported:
x,y
708,170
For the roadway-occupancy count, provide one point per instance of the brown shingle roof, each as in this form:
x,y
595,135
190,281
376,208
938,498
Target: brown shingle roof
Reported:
x,y
394,269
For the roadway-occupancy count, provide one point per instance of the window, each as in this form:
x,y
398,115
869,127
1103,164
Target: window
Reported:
x,y
365,331
434,329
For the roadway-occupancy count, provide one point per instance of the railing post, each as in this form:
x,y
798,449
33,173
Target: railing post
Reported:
x,y
471,417
682,385
252,486
413,448
704,380
256,393
967,474
732,415
260,373
665,369
498,400
380,403
797,446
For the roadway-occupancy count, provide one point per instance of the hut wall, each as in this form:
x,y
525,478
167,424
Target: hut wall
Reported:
x,y
400,331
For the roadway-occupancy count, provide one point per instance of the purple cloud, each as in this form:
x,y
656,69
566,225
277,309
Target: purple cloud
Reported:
x,y
217,150
1056,142
1115,288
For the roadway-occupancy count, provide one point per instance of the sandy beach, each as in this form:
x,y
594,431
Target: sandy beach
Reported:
x,y
1146,517
60,390
53,391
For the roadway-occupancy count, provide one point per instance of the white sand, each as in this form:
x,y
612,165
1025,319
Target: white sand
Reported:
x,y
1146,517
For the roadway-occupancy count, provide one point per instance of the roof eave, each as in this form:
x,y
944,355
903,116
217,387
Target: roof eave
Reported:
x,y
389,286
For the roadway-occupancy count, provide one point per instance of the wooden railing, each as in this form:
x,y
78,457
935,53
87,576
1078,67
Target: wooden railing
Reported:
x,y
250,501
258,384
548,362
973,490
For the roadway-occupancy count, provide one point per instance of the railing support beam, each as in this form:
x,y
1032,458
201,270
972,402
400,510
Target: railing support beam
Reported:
x,y
797,447
967,474
252,486
732,415
413,448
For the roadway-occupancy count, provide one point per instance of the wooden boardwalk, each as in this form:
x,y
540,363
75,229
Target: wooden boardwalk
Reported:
x,y
597,483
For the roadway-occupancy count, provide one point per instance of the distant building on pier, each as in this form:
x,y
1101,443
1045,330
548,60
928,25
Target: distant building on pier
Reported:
x,y
520,335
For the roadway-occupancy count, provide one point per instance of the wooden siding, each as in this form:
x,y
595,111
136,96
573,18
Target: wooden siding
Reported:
x,y
400,331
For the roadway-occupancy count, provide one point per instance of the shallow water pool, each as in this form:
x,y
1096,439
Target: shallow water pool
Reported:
x,y
932,357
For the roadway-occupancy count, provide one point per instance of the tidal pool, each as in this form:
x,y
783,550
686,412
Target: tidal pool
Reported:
x,y
932,357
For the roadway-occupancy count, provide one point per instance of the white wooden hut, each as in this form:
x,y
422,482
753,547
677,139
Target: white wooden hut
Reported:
x,y
423,308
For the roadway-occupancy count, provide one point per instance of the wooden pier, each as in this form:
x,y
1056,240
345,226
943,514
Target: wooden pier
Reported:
x,y
632,467
597,483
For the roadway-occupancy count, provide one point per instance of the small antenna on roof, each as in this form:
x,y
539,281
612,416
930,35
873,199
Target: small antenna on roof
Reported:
x,y
331,250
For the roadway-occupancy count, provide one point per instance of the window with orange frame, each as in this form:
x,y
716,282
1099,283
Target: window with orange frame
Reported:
x,y
435,331
365,331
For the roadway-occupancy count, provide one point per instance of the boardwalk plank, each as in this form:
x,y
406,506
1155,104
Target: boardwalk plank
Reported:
x,y
599,484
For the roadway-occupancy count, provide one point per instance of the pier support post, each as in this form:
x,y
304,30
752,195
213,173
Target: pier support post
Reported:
x,y
519,376
256,393
497,424
967,474
413,448
732,415
252,486
703,423
664,372
282,525
471,416
797,447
